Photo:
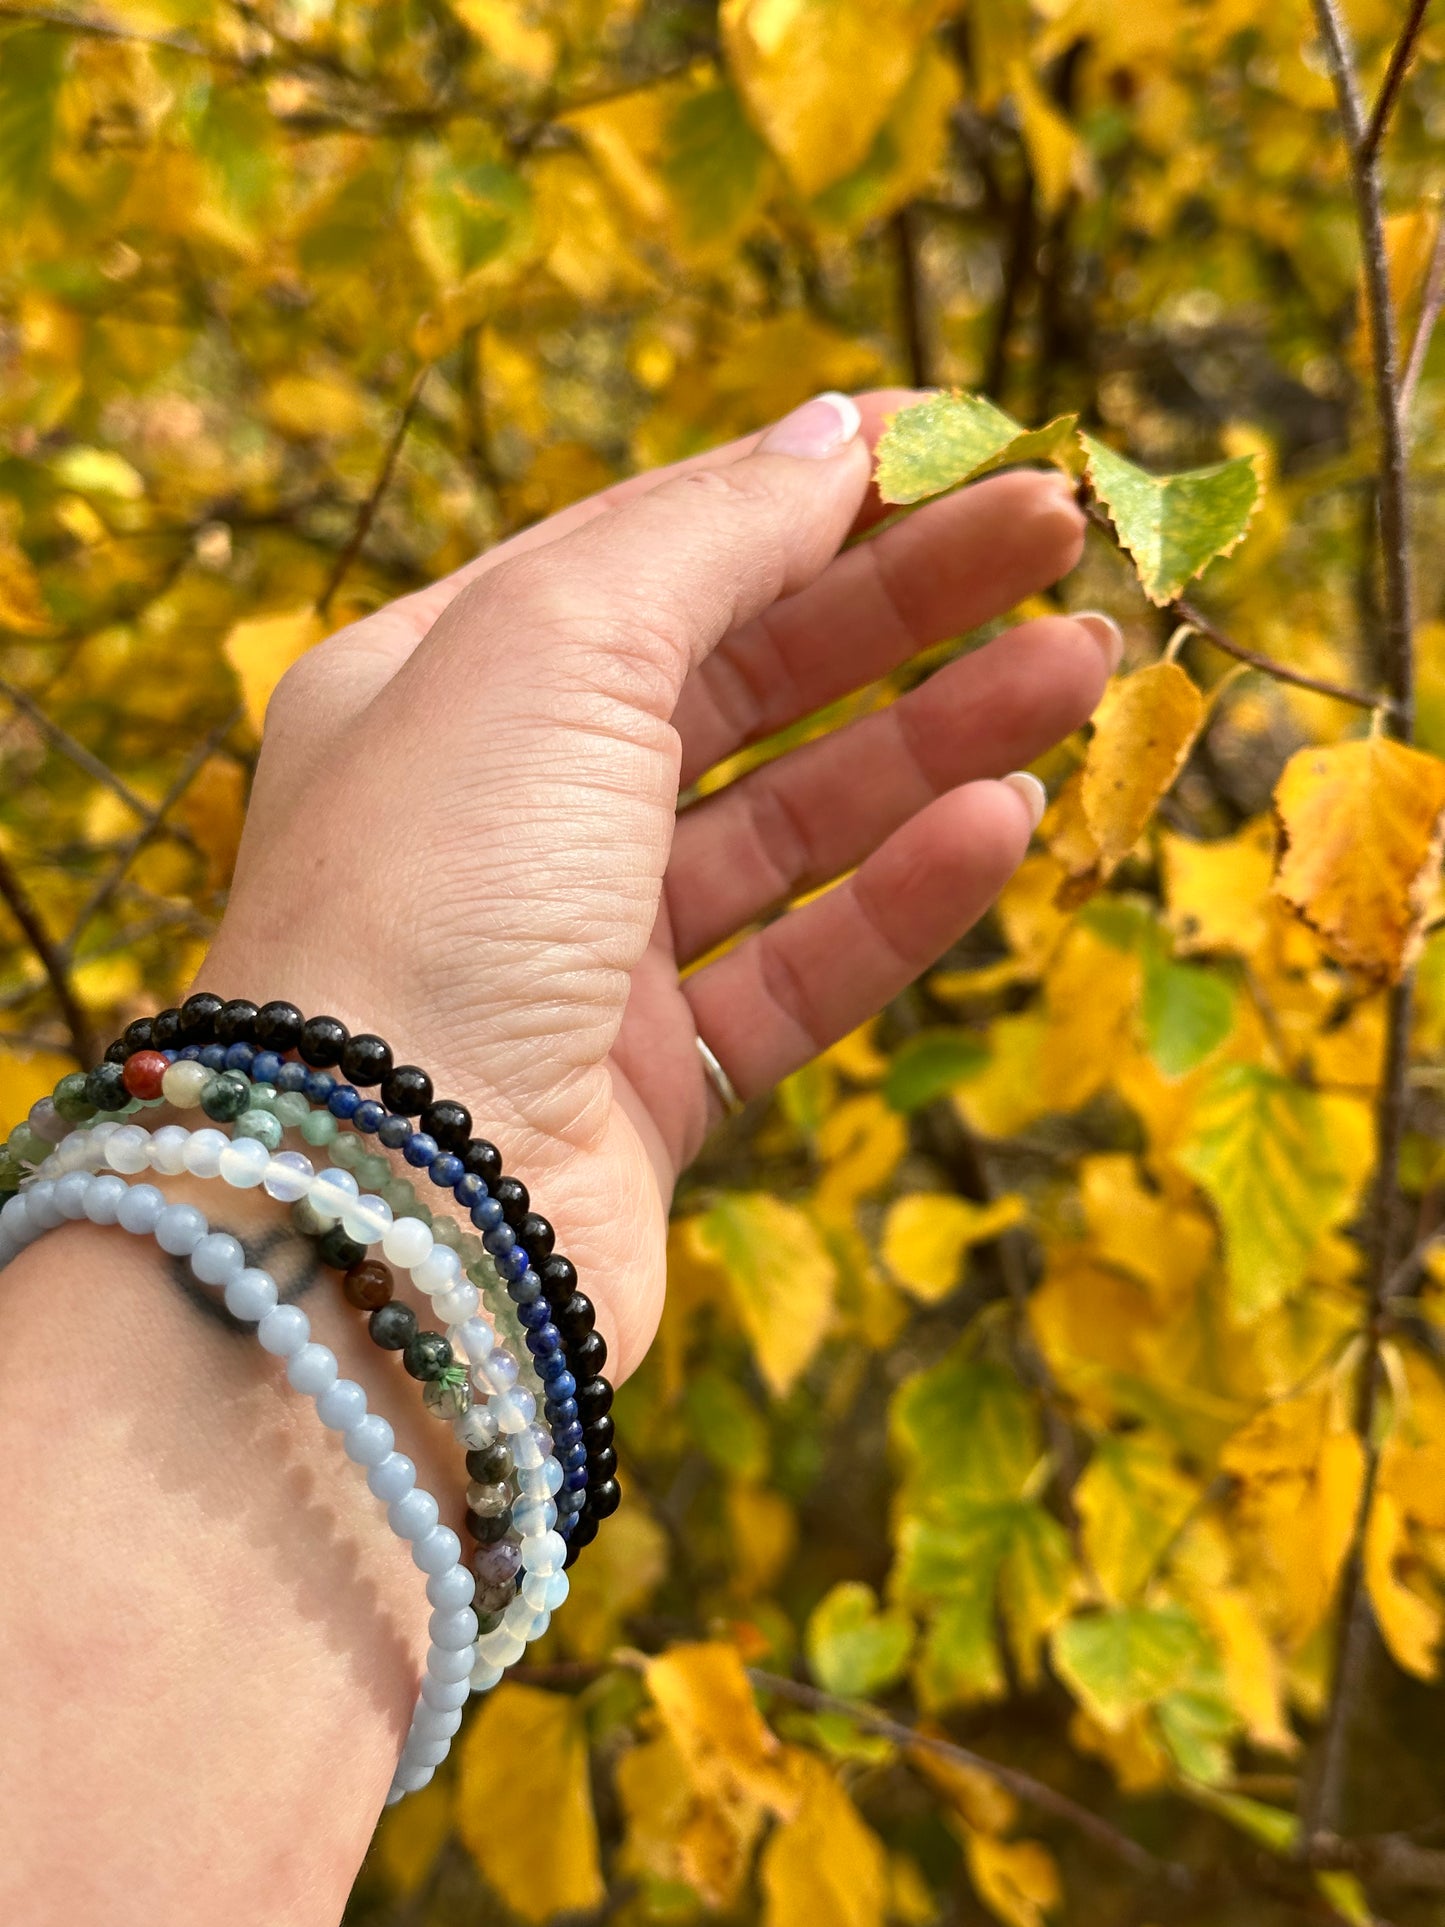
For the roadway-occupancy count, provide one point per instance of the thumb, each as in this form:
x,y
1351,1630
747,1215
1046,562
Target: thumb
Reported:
x,y
657,583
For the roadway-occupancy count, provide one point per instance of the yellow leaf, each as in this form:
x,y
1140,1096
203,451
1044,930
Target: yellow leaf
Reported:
x,y
1362,833
262,648
630,1564
1143,732
673,1834
820,76
23,607
707,1706
304,406
1411,1625
1015,1879
511,34
861,1143
1218,893
1029,913
927,1232
543,1739
1090,995
911,1900
1133,1501
213,809
980,1801
1057,156
1142,1231
27,1076
1133,1754
825,1864
409,1837
764,1529
779,1273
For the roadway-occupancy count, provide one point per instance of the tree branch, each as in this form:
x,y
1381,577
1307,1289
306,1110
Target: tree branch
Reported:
x,y
1023,1785
366,514
1394,79
1324,1784
1431,303
52,960
133,36
913,322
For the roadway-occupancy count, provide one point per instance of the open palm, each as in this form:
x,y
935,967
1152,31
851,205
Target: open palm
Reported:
x,y
465,830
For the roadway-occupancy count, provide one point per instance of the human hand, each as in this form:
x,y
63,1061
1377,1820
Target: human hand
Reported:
x,y
464,831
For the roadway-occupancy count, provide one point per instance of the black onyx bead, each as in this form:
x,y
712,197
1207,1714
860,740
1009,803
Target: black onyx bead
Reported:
x,y
406,1088
427,1355
166,1029
334,1248
449,1123
559,1278
139,1035
536,1236
603,1500
586,1358
278,1026
511,1195
236,1022
117,1052
489,1464
482,1160
365,1059
594,1399
600,1466
392,1326
599,1433
322,1041
585,1530
574,1317
486,1532
198,1017
105,1087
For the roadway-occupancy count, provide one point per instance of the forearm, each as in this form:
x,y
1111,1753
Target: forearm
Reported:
x,y
212,1638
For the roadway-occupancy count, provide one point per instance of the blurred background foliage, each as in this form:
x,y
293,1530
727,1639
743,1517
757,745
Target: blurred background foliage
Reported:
x,y
1009,1377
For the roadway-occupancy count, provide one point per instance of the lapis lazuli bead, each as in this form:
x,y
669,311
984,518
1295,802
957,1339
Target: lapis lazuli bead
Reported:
x,y
370,1116
240,1057
467,1189
561,1411
513,1263
318,1087
525,1288
420,1149
190,1055
213,1056
550,1367
265,1067
544,1338
575,1483
564,1389
574,1457
566,1435
344,1102
536,1314
486,1216
445,1170
393,1131
292,1077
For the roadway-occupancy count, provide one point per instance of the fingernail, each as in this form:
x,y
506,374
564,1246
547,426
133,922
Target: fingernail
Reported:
x,y
1036,797
820,427
1105,631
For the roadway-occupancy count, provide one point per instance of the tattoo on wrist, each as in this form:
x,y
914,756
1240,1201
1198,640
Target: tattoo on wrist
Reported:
x,y
289,1255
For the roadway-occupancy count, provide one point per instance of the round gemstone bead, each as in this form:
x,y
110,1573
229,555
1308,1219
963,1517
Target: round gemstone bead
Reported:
x,y
292,1109
367,1285
427,1355
511,1195
288,1177
236,1022
250,1295
604,1499
198,1016
265,1067
278,1026
213,1056
497,1565
392,1326
182,1084
217,1258
449,1123
489,1464
284,1330
139,1035
244,1163
334,1248
369,1440
179,1229
166,1029
225,1095
483,1160
341,1405
407,1242
365,1059
318,1127
143,1073
311,1368
406,1089
344,1102
448,1397
394,1131
240,1057
392,1479
322,1041
420,1149
262,1126
105,1087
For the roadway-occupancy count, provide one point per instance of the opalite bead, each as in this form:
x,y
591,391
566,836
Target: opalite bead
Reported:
x,y
366,1218
485,1676
546,1554
503,1647
406,1242
439,1271
456,1306
128,1150
288,1176
331,1191
545,1591
244,1163
168,1150
475,1338
203,1152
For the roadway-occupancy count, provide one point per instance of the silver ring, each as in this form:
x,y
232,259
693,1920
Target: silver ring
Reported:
x,y
721,1083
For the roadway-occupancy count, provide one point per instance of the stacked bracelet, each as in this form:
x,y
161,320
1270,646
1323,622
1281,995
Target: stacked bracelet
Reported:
x,y
242,1048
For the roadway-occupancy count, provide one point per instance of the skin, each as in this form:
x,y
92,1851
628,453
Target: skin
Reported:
x,y
464,834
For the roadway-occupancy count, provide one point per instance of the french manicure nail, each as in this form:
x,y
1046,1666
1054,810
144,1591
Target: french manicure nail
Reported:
x,y
1036,798
820,427
1106,632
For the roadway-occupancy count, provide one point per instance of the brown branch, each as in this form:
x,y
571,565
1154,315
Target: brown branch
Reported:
x,y
1390,86
1324,1784
53,961
130,850
1024,1786
1431,303
912,321
366,514
134,36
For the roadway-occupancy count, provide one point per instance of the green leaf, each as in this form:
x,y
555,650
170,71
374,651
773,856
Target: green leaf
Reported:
x,y
952,438
853,1648
34,60
726,1424
969,1434
1270,1826
1118,1663
1197,1728
1187,1011
713,163
1263,1149
1173,525
929,1066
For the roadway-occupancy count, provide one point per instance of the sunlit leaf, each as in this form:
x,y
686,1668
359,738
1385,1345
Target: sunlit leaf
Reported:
x,y
853,1647
1173,525
825,1863
781,1276
1121,1661
941,443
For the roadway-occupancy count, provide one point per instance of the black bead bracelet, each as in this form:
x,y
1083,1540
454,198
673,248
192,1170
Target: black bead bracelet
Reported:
x,y
558,1318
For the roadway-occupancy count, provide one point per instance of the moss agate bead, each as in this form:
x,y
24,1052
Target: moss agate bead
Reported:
x,y
105,1087
392,1326
427,1355
334,1248
226,1096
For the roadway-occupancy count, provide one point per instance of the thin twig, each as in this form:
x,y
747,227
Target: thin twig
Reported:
x,y
1045,1798
1431,303
366,515
1394,79
135,36
1324,1784
85,759
912,318
129,851
53,961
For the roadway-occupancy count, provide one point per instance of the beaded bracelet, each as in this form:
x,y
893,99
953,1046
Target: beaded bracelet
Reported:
x,y
250,1294
128,1149
558,1319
